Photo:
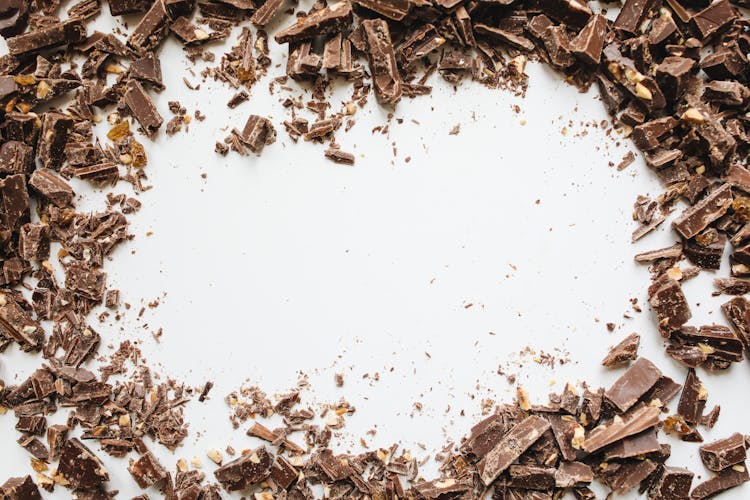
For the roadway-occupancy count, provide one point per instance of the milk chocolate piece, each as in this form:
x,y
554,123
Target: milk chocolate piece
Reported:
x,y
570,12
634,446
665,389
392,9
484,436
531,477
20,488
557,43
510,447
671,252
142,107
100,171
258,132
177,8
14,15
266,12
33,242
16,158
573,474
693,399
737,311
147,69
147,470
340,157
54,135
151,30
326,21
625,351
630,474
723,481
17,324
697,217
635,422
633,13
423,41
337,55
706,249
54,35
713,18
648,136
121,7
34,425
512,39
663,29
673,74
56,436
717,340
732,286
633,384
437,489
249,469
669,304
51,187
80,467
14,202
723,453
385,76
283,473
589,42
672,484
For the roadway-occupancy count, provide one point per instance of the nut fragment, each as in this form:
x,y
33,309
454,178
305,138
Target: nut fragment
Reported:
x,y
215,456
642,92
693,115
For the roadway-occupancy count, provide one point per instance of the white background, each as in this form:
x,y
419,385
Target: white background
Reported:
x,y
286,264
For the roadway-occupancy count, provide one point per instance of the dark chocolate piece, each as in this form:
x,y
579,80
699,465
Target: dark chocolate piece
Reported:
x,y
633,13
510,447
14,202
625,351
121,7
669,304
338,156
531,477
258,132
633,384
151,30
16,158
672,483
249,469
639,420
326,21
634,446
51,187
721,482
80,467
14,15
142,108
147,69
266,12
696,218
20,488
713,18
589,42
54,135
147,471
385,75
573,475
54,35
723,453
392,9
693,399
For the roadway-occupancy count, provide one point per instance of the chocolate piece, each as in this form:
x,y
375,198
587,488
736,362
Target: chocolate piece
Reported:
x,y
51,187
151,30
326,21
423,41
693,399
630,474
101,171
649,135
512,39
34,425
56,436
634,446
17,324
55,130
531,477
697,217
258,132
20,488
80,467
570,12
713,18
573,474
669,304
14,201
723,453
737,312
633,384
723,481
337,55
510,447
385,75
484,436
557,44
121,7
665,389
14,15
142,107
266,12
626,350
673,75
340,157
283,473
732,286
706,249
147,69
16,158
716,340
54,35
147,470
633,13
85,282
392,9
33,242
434,490
589,42
247,470
637,421
672,484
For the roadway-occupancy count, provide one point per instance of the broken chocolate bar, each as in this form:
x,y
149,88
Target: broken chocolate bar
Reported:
x,y
626,350
385,75
718,455
325,21
251,468
510,447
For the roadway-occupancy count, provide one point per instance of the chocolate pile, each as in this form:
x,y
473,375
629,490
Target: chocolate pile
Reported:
x,y
673,75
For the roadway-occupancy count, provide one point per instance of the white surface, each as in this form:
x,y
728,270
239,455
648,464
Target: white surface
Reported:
x,y
289,264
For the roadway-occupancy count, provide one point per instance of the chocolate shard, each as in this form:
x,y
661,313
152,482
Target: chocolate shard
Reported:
x,y
693,399
282,473
80,467
573,13
54,35
54,135
649,135
56,436
505,36
151,30
335,467
532,477
51,187
258,132
625,351
573,475
392,9
249,469
147,69
266,12
17,324
147,470
33,242
696,218
672,483
14,17
385,76
633,13
142,107
727,92
723,481
713,18
340,157
737,312
723,453
633,384
122,7
669,304
326,21
635,422
20,488
715,340
484,436
589,42
634,446
16,158
445,488
516,441
423,41
565,429
706,249
629,475
14,202
673,75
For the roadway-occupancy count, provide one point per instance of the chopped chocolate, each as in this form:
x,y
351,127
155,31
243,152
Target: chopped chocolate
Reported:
x,y
570,12
54,35
249,469
151,30
669,303
531,477
633,384
54,135
338,156
635,422
510,447
51,187
589,42
148,70
721,482
625,351
693,399
385,75
147,471
142,107
326,21
121,7
258,132
16,158
266,12
723,453
672,483
56,437
633,13
238,99
573,475
712,19
20,488
80,467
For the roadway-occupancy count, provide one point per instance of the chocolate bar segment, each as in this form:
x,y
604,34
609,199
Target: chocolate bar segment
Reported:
x,y
723,481
510,447
142,107
152,30
80,467
633,384
589,42
723,453
625,351
672,483
20,488
326,21
249,469
54,35
385,75
639,420
697,217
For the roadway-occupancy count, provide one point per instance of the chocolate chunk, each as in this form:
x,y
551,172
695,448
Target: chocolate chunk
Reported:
x,y
147,471
671,252
665,389
669,304
732,286
723,453
629,475
706,249
326,21
337,55
564,430
589,42
20,488
672,483
80,467
437,489
385,76
98,172
177,8
570,12
33,242
338,156
251,468
635,422
633,13
121,7
673,75
54,135
531,477
283,473
14,15
34,425
142,108
16,158
626,350
721,482
634,446
336,468
258,132
51,187
147,69
392,9
484,436
648,136
56,436
693,399
423,41
512,39
17,324
737,312
510,447
713,18
151,30
266,12
573,474
14,202
633,384
85,282
716,340
696,218
54,35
